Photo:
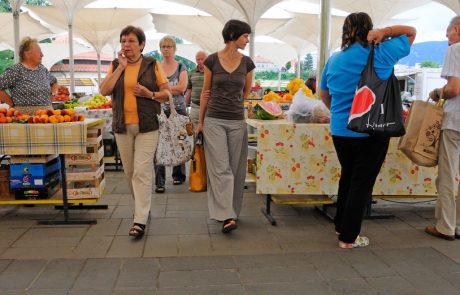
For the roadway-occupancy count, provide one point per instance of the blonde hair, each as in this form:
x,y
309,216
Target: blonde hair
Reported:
x,y
168,40
25,45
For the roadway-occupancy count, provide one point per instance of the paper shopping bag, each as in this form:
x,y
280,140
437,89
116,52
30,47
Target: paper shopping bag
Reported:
x,y
197,176
423,127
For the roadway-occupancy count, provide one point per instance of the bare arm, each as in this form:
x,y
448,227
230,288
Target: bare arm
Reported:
x,y
204,97
181,86
378,35
188,95
247,86
448,91
5,98
325,97
160,96
111,79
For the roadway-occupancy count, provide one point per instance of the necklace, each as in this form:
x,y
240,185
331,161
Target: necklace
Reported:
x,y
133,62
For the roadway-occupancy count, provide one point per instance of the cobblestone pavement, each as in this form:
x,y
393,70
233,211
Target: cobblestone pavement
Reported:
x,y
184,252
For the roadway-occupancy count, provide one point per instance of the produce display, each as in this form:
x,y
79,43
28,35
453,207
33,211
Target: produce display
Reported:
x,y
296,84
63,94
280,97
12,115
267,110
97,102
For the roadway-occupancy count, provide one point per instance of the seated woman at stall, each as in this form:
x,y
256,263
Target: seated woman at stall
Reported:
x,y
28,81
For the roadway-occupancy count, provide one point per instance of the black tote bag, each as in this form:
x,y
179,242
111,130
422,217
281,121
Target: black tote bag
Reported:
x,y
377,107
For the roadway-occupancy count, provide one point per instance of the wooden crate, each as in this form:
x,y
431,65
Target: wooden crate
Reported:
x,y
86,159
94,135
84,172
89,189
32,159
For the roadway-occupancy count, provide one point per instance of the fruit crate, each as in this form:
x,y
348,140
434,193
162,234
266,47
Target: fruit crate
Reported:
x,y
34,175
86,189
94,135
94,156
84,172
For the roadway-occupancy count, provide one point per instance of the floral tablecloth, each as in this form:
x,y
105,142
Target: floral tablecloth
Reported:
x,y
300,159
99,114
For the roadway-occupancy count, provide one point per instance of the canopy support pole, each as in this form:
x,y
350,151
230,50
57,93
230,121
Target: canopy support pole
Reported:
x,y
325,29
71,60
16,35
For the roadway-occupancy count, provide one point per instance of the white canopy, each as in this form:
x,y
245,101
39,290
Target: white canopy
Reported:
x,y
29,27
452,4
205,31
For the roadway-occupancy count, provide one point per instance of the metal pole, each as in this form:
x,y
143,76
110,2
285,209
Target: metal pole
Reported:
x,y
98,69
325,29
16,35
298,66
71,61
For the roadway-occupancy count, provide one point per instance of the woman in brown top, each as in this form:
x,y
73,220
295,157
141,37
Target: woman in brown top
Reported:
x,y
228,76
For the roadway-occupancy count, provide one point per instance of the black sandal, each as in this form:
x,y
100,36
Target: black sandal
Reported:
x,y
229,225
177,181
160,190
137,231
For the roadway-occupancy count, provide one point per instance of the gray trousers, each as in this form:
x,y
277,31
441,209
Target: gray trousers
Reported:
x,y
226,151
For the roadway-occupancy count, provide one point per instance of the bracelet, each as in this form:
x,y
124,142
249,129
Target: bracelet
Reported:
x,y
153,95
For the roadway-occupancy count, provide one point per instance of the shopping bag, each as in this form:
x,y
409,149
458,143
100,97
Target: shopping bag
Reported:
x,y
423,127
377,106
197,175
174,144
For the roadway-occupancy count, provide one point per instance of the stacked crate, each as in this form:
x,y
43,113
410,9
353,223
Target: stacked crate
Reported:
x,y
35,177
85,172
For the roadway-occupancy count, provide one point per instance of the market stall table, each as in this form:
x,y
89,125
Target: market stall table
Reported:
x,y
45,139
297,160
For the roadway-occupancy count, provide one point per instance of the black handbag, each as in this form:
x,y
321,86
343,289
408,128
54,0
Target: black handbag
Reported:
x,y
377,106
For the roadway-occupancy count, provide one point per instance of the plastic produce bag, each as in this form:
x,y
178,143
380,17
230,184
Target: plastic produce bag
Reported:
x,y
307,110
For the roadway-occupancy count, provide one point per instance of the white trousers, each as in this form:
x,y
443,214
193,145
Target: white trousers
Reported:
x,y
448,204
226,151
137,151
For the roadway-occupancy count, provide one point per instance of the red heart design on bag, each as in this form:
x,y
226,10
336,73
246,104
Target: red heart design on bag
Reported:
x,y
362,102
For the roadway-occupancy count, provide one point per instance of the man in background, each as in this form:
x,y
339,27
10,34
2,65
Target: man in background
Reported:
x,y
194,87
447,213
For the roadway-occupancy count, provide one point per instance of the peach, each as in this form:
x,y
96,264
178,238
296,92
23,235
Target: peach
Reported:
x,y
3,120
66,118
50,113
36,119
17,113
30,120
3,111
10,112
60,118
81,117
8,120
53,119
57,112
44,119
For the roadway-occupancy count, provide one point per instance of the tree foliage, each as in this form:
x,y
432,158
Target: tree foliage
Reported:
x,y
429,64
6,7
6,59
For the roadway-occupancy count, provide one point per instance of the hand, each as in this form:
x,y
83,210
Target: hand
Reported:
x,y
376,36
142,91
122,60
199,128
435,94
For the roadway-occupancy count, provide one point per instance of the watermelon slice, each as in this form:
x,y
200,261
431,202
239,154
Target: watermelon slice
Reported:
x,y
362,103
268,110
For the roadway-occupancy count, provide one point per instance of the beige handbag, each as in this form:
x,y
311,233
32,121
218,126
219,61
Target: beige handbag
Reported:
x,y
423,127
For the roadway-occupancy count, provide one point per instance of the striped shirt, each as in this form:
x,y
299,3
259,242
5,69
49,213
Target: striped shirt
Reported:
x,y
195,83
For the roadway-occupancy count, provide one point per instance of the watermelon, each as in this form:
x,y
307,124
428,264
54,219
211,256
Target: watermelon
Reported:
x,y
268,110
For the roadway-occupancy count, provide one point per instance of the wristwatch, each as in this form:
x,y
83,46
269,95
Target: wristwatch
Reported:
x,y
153,95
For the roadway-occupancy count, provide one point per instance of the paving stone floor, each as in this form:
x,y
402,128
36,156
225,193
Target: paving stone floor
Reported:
x,y
184,252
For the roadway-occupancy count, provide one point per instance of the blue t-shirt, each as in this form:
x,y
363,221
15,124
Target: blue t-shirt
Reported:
x,y
342,72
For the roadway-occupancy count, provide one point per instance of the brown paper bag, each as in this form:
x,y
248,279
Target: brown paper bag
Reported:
x,y
423,127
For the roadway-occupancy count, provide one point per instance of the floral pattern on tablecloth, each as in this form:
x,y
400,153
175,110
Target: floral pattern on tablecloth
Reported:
x,y
301,159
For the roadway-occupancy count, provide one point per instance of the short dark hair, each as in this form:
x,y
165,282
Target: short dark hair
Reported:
x,y
355,29
234,28
136,31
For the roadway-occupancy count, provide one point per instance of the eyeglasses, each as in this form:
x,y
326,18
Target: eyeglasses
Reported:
x,y
166,47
